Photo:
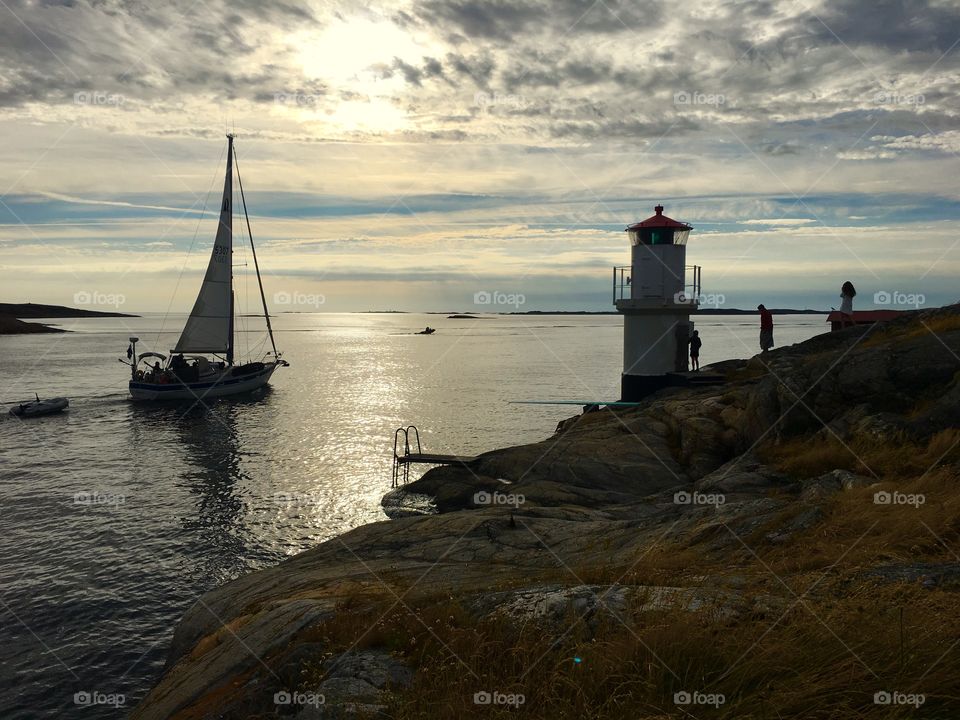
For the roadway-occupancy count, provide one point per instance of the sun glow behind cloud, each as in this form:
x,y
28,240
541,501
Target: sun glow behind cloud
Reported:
x,y
346,51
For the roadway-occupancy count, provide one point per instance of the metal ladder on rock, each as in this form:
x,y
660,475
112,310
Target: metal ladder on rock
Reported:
x,y
403,461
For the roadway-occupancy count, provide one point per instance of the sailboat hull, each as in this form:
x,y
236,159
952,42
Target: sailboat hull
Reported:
x,y
226,384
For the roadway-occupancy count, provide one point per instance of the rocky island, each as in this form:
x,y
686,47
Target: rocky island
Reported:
x,y
782,545
12,314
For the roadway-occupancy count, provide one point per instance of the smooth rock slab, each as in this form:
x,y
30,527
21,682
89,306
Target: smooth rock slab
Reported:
x,y
354,684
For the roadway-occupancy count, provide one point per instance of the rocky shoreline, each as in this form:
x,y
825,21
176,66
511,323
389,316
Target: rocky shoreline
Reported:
x,y
818,478
11,314
10,325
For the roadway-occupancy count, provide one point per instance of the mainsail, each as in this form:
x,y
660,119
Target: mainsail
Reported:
x,y
210,327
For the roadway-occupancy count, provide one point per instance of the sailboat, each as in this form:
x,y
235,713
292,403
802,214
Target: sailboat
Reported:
x,y
203,364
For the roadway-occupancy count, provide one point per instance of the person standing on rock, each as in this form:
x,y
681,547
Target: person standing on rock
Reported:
x,y
766,328
847,294
695,344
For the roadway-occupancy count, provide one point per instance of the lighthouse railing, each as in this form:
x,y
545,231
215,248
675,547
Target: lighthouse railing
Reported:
x,y
692,288
622,284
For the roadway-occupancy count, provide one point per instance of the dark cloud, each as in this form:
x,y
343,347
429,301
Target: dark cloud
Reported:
x,y
623,129
503,20
144,51
895,25
498,19
781,148
432,67
479,67
411,74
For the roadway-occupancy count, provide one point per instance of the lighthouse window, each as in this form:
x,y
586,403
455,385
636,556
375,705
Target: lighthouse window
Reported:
x,y
657,236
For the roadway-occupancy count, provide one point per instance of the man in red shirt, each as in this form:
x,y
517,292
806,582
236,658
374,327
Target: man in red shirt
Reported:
x,y
766,328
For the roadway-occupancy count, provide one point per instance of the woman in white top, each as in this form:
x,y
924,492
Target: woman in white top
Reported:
x,y
847,294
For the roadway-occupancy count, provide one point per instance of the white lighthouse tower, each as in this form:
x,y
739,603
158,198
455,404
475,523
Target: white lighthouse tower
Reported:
x,y
656,301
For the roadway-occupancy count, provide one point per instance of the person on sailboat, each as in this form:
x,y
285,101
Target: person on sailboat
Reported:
x,y
177,366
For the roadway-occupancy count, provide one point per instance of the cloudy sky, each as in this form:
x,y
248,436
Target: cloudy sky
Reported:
x,y
409,155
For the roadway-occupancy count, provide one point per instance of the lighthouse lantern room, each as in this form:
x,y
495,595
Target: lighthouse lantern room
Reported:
x,y
656,294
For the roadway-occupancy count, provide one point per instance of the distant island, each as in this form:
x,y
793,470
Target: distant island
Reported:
x,y
12,314
702,311
12,326
479,314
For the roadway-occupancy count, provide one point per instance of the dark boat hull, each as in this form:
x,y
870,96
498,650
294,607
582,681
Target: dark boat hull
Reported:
x,y
228,383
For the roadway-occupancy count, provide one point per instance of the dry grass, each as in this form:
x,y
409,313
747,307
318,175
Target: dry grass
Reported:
x,y
937,325
822,658
804,457
857,532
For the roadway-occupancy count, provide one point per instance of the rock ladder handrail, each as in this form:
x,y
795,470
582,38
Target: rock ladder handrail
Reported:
x,y
402,462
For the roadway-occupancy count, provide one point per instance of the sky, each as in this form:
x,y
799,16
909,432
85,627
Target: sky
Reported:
x,y
440,154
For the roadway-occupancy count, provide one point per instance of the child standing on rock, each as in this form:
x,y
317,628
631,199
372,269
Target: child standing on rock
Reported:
x,y
695,344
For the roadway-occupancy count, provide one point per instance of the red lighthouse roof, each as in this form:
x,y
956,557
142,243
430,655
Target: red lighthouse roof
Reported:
x,y
660,221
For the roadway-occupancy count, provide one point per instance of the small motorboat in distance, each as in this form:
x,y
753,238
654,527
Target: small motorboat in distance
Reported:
x,y
427,331
38,407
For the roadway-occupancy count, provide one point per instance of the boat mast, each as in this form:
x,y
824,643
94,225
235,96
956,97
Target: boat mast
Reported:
x,y
230,259
263,297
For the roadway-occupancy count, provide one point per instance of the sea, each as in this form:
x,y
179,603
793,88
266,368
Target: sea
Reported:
x,y
117,516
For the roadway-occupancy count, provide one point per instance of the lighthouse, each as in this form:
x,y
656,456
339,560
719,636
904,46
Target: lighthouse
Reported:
x,y
656,301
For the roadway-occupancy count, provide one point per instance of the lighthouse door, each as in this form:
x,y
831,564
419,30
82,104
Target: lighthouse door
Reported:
x,y
650,276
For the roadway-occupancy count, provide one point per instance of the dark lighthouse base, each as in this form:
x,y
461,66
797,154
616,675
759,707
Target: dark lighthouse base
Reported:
x,y
634,388
637,387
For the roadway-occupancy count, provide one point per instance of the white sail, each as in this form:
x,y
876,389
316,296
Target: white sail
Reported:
x,y
210,325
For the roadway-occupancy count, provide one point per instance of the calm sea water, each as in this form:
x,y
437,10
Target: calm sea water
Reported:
x,y
177,500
